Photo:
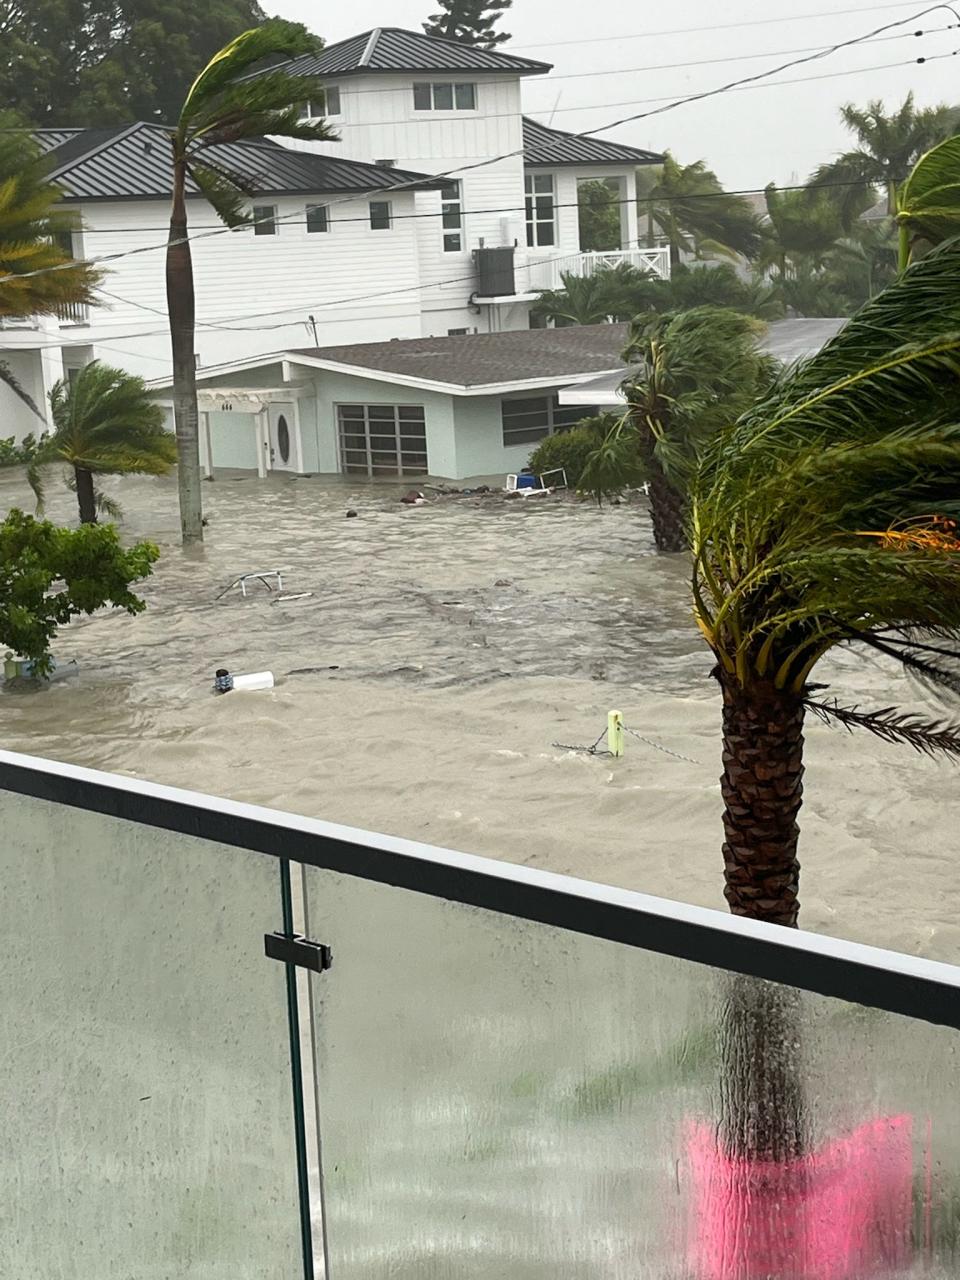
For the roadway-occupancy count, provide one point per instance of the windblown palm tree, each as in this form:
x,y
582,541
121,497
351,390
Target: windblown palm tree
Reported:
x,y
687,206
826,516
887,148
803,227
225,104
928,204
29,225
611,294
104,423
695,372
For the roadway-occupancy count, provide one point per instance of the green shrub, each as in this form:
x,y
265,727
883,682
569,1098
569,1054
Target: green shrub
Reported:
x,y
18,455
571,449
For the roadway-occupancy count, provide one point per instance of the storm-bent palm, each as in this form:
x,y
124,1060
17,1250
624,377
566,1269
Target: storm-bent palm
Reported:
x,y
824,517
888,146
691,373
223,107
30,223
687,206
104,423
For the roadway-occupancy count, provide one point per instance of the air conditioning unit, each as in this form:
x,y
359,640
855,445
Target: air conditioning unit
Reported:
x,y
495,276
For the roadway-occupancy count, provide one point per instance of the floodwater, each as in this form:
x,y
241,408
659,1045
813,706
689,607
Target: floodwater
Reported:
x,y
423,683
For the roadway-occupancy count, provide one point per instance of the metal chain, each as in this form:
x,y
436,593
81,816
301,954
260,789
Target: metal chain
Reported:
x,y
657,747
592,750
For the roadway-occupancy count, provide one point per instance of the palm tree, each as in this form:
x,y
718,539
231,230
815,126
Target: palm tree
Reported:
x,y
104,423
30,224
825,517
928,205
803,227
887,148
695,371
226,103
613,293
687,206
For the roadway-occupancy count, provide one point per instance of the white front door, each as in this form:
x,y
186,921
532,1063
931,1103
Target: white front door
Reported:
x,y
284,446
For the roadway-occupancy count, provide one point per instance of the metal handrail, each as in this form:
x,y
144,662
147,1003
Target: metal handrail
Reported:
x,y
908,985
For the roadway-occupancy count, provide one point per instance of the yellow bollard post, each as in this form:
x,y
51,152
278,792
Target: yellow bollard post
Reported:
x,y
615,733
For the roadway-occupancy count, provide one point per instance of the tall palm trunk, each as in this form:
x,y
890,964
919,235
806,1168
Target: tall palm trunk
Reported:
x,y
666,512
667,506
86,495
181,306
761,1091
762,788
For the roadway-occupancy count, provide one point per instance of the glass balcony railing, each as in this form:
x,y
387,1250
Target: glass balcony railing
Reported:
x,y
241,1045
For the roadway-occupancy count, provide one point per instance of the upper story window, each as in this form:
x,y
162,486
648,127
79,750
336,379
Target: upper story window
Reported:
x,y
329,105
264,219
451,202
380,215
444,96
318,218
541,209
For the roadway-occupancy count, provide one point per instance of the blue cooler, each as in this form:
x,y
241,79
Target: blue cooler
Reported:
x,y
528,482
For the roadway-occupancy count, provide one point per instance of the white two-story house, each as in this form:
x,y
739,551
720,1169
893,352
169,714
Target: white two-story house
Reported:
x,y
509,221
441,210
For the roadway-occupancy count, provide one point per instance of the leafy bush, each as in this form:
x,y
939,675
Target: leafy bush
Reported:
x,y
571,449
92,566
19,455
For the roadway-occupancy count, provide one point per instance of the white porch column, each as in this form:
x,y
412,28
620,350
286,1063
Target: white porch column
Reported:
x,y
51,366
263,442
297,437
629,228
206,444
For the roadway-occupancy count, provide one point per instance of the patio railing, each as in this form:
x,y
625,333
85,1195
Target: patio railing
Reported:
x,y
243,1045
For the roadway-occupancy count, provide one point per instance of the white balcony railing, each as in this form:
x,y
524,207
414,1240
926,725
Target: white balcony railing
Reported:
x,y
549,273
68,313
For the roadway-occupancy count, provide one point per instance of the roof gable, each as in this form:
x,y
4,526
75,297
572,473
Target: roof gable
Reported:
x,y
386,49
133,162
553,147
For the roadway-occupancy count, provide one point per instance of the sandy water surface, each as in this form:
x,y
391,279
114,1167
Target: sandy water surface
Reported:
x,y
421,685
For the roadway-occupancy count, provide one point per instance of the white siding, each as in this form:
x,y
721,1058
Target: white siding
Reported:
x,y
360,285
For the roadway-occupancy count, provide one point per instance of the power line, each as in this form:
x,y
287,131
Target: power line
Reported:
x,y
293,221
424,117
716,26
480,164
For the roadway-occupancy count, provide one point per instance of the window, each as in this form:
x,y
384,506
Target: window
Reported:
x,y
264,219
458,333
443,96
382,439
317,218
329,105
451,202
540,209
380,219
531,419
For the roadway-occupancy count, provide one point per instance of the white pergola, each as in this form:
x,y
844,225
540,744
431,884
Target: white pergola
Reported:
x,y
256,401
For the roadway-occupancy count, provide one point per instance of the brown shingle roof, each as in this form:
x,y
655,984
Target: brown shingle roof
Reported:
x,y
482,359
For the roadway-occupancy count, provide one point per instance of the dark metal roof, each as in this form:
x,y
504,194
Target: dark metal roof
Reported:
x,y
553,147
394,49
133,163
47,139
482,359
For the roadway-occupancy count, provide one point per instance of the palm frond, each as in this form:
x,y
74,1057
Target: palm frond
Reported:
x,y
929,737
10,379
272,40
224,194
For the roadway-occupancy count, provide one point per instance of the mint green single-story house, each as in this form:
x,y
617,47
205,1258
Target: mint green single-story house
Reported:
x,y
461,407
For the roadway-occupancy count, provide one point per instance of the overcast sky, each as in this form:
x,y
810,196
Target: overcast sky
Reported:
x,y
750,137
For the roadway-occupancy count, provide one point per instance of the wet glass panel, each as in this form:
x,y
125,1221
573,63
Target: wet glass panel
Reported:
x,y
466,96
501,1100
422,100
145,1102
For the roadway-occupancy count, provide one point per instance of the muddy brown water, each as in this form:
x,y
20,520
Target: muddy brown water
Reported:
x,y
443,650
